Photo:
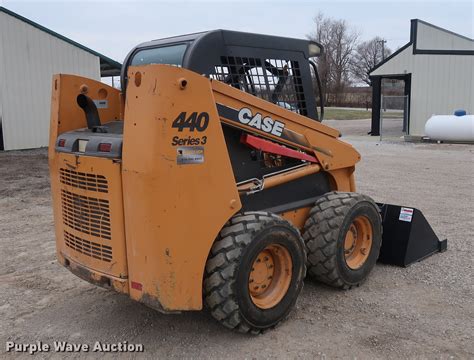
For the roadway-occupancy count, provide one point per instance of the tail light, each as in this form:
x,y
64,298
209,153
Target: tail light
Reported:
x,y
105,147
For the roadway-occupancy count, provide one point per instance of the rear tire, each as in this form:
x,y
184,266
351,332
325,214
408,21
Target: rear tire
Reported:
x,y
254,272
343,235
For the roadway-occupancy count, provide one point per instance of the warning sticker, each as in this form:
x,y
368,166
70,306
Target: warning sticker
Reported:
x,y
406,214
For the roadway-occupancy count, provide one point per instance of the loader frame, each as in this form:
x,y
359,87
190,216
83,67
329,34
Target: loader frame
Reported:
x,y
187,229
199,145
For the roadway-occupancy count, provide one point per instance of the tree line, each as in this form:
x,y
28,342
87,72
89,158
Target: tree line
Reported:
x,y
346,60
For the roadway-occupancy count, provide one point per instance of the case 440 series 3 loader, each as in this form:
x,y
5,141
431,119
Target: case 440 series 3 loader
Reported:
x,y
209,179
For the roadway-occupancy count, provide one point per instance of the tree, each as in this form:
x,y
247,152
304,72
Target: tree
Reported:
x,y
366,56
339,41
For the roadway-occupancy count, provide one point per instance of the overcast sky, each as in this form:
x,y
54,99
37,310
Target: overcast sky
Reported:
x,y
113,28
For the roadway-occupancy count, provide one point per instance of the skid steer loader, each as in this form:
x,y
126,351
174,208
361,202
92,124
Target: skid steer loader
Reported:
x,y
209,179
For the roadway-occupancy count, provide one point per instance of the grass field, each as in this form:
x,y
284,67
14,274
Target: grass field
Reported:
x,y
351,114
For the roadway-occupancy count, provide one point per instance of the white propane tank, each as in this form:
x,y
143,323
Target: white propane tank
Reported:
x,y
450,128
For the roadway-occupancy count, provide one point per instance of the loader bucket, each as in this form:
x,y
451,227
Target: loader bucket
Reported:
x,y
407,236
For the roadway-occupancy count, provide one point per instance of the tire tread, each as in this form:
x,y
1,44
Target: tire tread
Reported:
x,y
321,231
222,265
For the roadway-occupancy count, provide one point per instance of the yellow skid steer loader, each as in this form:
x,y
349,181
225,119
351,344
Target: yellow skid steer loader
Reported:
x,y
209,179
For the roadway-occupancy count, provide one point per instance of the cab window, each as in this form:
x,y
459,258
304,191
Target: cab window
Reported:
x,y
170,55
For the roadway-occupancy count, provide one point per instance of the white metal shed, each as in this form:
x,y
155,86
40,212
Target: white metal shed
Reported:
x,y
29,56
437,66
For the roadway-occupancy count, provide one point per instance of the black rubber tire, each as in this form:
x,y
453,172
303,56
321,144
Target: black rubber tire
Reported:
x,y
324,233
226,291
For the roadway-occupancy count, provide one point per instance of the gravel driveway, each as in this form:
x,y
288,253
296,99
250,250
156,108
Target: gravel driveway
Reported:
x,y
423,311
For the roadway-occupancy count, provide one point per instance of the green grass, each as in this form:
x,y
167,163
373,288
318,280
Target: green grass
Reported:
x,y
348,114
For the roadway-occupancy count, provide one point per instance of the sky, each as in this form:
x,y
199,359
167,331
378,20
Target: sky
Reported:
x,y
115,27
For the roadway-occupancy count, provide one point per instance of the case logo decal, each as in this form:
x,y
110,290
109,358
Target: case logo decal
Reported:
x,y
257,121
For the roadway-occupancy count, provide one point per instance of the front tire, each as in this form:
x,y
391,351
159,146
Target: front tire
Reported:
x,y
254,272
343,235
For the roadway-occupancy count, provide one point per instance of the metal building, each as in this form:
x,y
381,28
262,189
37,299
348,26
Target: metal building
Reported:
x,y
29,56
437,66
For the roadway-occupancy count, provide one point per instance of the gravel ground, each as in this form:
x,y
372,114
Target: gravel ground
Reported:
x,y
423,311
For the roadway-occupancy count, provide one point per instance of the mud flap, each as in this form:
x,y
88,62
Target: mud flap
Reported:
x,y
407,236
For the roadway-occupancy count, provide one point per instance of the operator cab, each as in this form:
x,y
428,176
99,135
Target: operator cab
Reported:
x,y
276,69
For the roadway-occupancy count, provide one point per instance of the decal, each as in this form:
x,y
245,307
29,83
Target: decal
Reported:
x,y
190,155
231,114
257,121
406,214
101,104
178,141
195,121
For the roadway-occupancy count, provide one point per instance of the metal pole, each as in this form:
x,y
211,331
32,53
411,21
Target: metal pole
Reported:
x,y
383,41
381,117
405,115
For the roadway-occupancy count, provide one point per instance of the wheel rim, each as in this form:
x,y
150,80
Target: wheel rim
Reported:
x,y
270,276
358,242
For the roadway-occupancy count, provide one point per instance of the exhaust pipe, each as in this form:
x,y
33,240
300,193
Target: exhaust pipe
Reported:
x,y
90,110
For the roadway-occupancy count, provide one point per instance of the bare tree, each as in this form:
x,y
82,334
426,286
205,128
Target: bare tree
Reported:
x,y
321,36
366,56
339,41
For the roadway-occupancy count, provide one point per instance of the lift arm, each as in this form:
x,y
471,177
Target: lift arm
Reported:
x,y
257,116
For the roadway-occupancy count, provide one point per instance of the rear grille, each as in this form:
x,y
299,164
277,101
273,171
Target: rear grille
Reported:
x,y
91,182
89,248
86,214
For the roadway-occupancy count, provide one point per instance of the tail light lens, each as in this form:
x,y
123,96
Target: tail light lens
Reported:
x,y
105,147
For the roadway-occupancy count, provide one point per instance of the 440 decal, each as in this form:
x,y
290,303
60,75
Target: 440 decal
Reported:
x,y
195,121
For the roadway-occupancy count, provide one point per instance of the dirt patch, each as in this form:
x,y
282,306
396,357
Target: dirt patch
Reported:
x,y
423,311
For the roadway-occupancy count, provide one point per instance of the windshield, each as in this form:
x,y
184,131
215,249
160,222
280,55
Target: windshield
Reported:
x,y
170,55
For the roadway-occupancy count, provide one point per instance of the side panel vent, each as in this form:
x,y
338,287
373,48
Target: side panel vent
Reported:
x,y
89,248
86,214
91,182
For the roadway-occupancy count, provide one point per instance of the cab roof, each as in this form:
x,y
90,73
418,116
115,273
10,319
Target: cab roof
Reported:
x,y
238,38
